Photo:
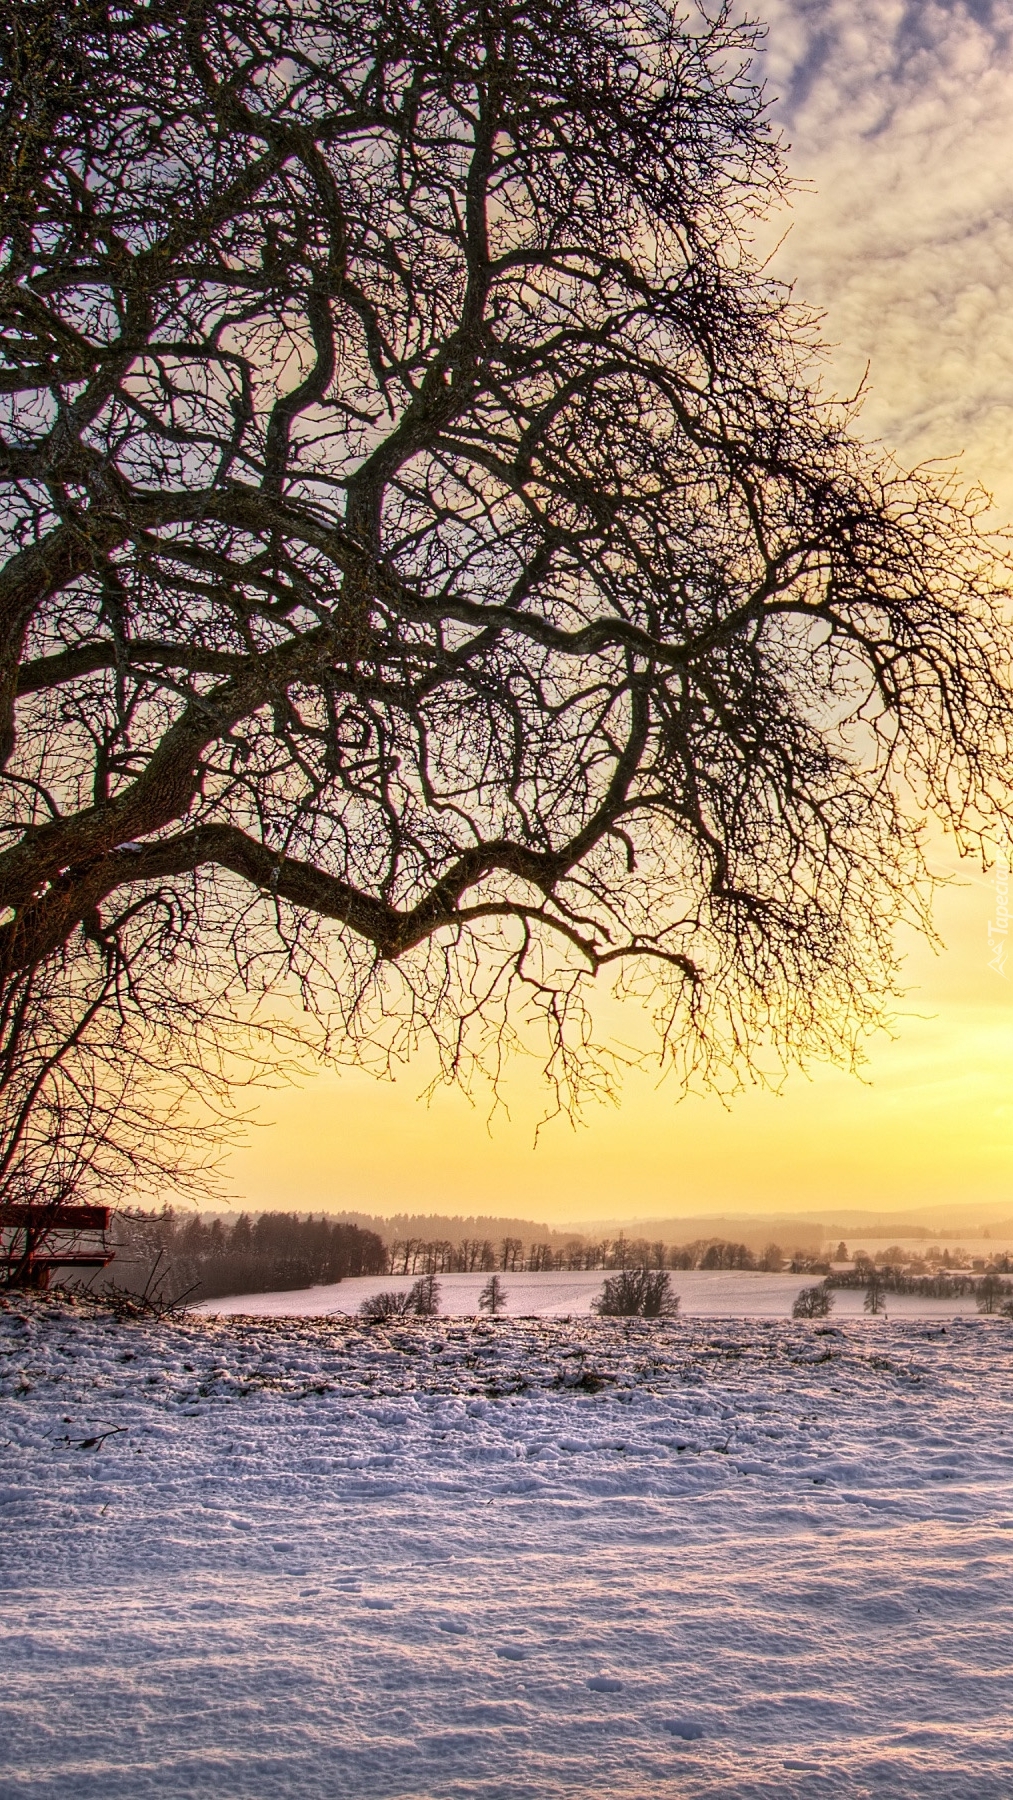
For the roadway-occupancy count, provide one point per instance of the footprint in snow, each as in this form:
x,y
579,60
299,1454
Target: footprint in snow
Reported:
x,y
604,1684
454,1626
378,1605
511,1652
684,1728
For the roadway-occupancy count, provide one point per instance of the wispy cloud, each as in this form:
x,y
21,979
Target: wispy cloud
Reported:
x,y
900,115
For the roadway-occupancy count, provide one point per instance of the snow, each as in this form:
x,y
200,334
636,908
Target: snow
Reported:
x,y
703,1294
516,1561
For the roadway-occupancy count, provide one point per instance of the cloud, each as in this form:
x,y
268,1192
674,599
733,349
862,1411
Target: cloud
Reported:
x,y
899,117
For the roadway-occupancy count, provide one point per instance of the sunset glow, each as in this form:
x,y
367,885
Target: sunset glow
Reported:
x,y
903,231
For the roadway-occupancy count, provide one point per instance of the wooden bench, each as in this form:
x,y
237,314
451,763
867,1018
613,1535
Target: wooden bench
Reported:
x,y
35,1240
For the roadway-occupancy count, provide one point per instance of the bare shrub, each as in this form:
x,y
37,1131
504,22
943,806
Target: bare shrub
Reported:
x,y
638,1293
422,1301
377,1309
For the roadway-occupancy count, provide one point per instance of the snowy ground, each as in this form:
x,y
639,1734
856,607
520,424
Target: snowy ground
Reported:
x,y
272,1557
703,1294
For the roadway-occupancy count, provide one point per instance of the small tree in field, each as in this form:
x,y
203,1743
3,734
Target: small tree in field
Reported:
x,y
492,1299
875,1300
991,1292
813,1303
424,1297
638,1293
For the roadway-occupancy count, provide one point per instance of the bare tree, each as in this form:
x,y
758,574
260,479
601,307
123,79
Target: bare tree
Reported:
x,y
991,1291
424,1297
492,1299
875,1301
424,534
813,1303
510,1253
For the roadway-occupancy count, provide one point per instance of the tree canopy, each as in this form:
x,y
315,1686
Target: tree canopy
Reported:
x,y
424,534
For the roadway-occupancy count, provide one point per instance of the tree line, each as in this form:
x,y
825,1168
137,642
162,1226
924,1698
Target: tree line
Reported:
x,y
943,1284
205,1257
510,1255
198,1258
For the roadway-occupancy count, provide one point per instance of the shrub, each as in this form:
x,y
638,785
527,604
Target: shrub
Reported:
x,y
378,1308
638,1293
813,1303
422,1301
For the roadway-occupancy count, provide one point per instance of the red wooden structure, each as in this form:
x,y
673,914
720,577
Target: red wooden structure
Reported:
x,y
35,1240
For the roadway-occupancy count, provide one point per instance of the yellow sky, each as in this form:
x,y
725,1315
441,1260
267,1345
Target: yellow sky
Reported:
x,y
899,116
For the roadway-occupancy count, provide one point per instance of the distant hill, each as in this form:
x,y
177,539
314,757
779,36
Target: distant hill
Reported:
x,y
754,1230
951,1219
824,1226
454,1229
756,1233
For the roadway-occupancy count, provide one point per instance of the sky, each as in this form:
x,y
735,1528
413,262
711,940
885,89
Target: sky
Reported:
x,y
899,120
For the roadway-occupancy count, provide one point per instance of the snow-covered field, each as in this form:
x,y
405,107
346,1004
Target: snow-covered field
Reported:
x,y
703,1294
271,1557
